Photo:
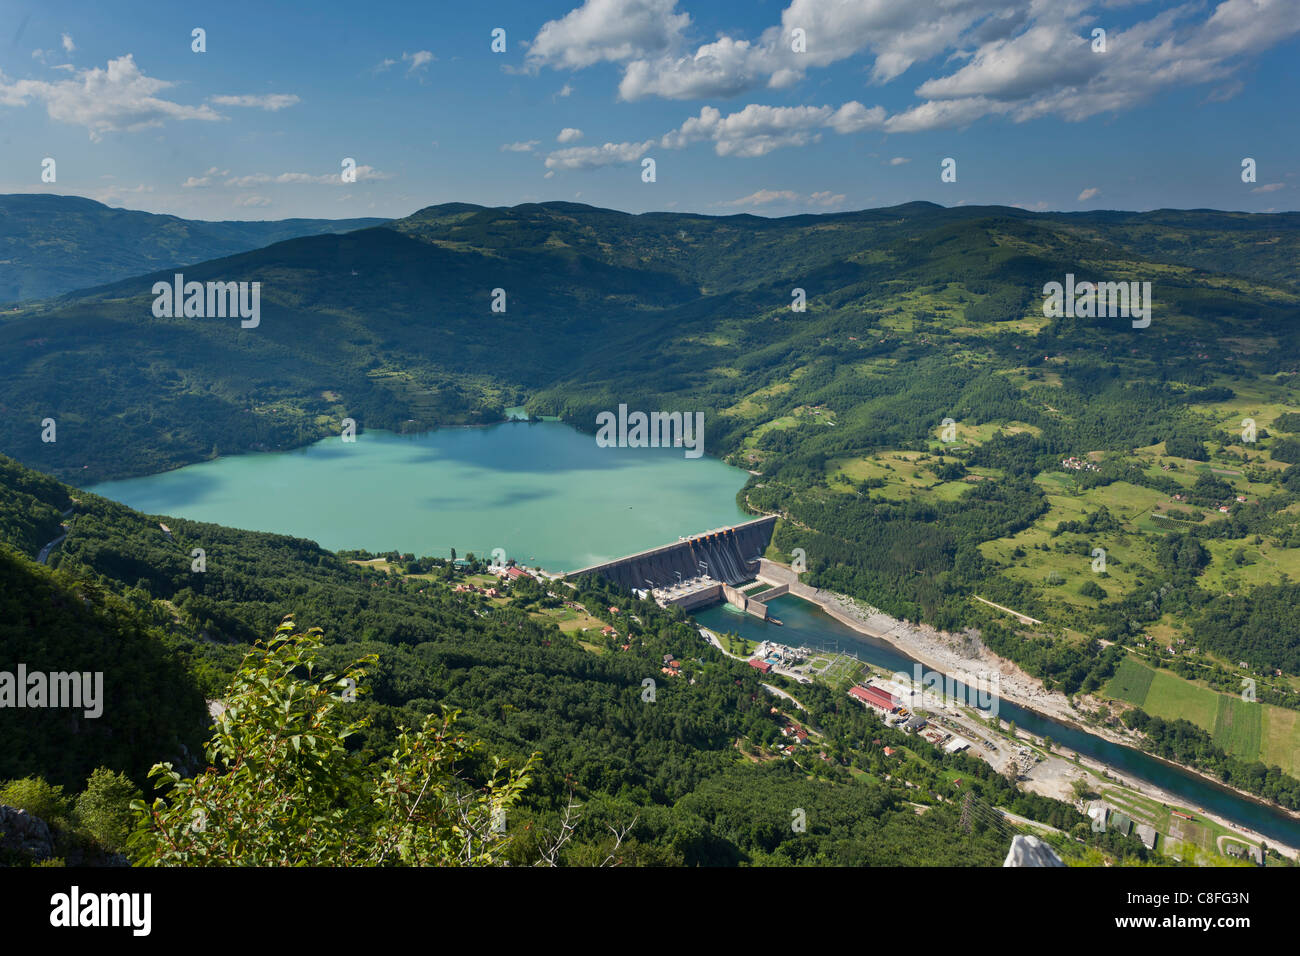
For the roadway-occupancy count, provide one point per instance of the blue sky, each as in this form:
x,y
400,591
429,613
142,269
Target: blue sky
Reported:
x,y
714,92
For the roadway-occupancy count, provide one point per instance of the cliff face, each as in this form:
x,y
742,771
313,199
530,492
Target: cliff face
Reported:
x,y
24,836
1031,851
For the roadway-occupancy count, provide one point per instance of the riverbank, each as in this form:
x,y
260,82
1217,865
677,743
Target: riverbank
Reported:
x,y
964,657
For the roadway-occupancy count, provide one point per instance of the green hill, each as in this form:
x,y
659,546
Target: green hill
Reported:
x,y
693,777
915,314
50,244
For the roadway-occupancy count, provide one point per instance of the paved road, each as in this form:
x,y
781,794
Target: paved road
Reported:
x,y
45,551
780,693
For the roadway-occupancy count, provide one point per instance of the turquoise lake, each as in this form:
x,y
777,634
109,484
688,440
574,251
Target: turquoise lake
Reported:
x,y
542,491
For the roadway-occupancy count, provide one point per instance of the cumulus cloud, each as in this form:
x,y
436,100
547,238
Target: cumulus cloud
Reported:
x,y
267,101
607,31
207,179
119,98
762,197
765,197
757,130
569,135
592,157
415,62
1016,59
1088,193
1049,69
68,45
364,173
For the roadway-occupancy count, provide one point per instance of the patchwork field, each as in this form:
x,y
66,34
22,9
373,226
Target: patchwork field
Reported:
x,y
1252,731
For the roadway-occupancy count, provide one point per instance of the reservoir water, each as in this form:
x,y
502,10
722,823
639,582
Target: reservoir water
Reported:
x,y
542,491
804,623
547,495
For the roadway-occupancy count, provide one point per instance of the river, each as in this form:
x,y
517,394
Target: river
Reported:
x,y
803,623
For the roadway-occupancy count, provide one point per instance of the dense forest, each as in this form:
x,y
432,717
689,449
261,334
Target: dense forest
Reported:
x,y
926,434
681,779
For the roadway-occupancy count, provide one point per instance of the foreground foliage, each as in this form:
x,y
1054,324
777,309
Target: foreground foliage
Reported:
x,y
283,789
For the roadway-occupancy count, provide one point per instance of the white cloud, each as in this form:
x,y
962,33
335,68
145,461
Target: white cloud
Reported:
x,y
607,31
119,98
764,197
417,61
364,173
524,146
569,135
899,161
591,157
827,199
853,117
1020,59
1269,188
565,90
1049,69
68,45
252,201
939,114
268,101
1088,193
196,182
757,130
724,68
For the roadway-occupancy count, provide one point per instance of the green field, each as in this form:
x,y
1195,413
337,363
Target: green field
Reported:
x,y
1131,682
1171,697
1252,731
1238,726
1280,743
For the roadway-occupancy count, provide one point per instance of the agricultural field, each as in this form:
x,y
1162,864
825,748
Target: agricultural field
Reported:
x,y
1131,682
1238,725
1252,731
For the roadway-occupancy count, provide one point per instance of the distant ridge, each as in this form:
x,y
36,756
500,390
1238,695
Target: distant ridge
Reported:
x,y
52,244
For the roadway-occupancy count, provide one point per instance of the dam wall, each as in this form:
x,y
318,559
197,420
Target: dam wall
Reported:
x,y
730,555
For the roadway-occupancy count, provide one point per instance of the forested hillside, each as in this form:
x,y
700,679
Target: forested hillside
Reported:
x,y
928,435
50,245
687,777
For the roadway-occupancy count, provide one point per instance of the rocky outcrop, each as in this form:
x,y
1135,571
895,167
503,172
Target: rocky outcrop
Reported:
x,y
24,834
1031,851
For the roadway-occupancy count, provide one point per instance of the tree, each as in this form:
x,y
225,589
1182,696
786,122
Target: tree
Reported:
x,y
37,797
282,787
104,808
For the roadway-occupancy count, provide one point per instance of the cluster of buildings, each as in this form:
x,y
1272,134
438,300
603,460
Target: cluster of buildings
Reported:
x,y
891,708
512,573
466,586
1074,463
770,655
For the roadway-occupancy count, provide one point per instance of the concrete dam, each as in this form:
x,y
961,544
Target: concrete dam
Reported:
x,y
727,555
